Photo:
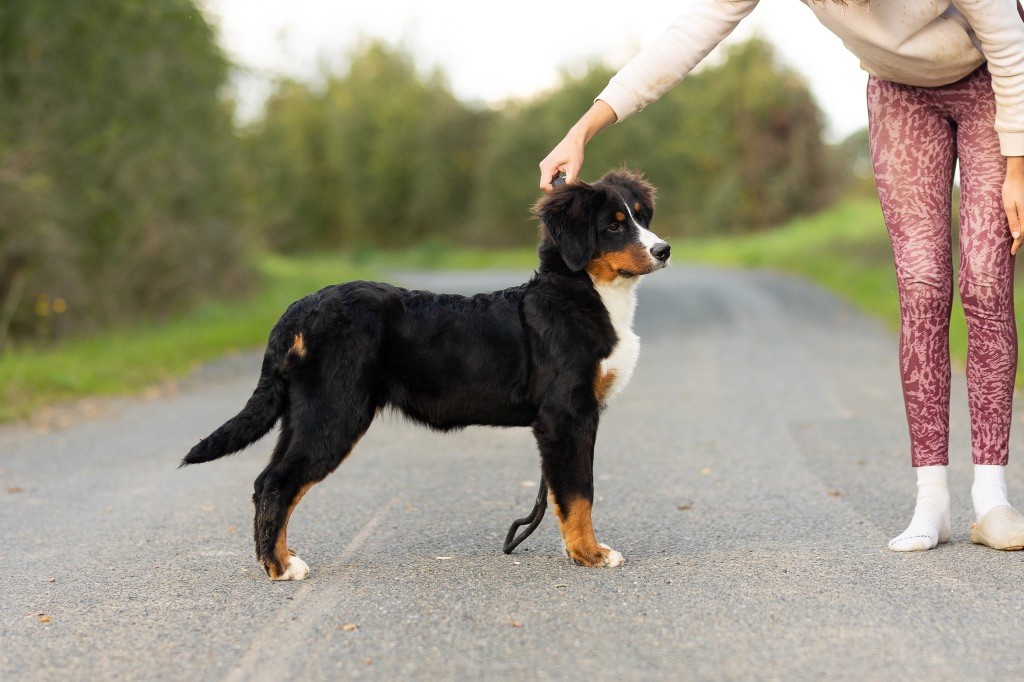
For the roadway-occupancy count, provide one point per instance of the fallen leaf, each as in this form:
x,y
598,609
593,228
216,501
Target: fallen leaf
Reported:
x,y
515,623
53,580
348,627
367,661
705,471
14,490
835,493
684,506
528,484
43,618
442,558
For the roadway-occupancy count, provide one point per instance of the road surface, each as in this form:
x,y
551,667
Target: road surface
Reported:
x,y
751,473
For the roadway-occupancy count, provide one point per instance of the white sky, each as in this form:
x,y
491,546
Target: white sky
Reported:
x,y
496,51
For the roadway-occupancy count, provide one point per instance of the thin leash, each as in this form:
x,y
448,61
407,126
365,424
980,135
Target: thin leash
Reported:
x,y
535,517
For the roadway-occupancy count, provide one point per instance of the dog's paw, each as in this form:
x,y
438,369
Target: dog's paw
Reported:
x,y
297,569
601,557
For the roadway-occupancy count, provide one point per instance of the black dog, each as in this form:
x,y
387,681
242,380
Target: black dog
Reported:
x,y
547,354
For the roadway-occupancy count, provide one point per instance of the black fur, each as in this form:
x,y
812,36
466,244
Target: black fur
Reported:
x,y
524,356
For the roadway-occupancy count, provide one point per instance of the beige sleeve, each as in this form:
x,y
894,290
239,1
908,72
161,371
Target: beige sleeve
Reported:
x,y
1001,31
667,60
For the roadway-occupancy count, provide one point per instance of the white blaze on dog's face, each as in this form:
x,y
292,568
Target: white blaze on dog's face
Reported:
x,y
626,249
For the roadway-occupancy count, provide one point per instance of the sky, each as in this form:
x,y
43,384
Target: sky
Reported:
x,y
492,52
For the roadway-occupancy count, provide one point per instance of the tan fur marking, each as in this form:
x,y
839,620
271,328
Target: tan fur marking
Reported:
x,y
281,551
636,207
299,346
620,216
606,267
578,533
602,383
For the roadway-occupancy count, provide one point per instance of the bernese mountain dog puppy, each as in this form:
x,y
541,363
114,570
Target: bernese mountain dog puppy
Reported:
x,y
548,354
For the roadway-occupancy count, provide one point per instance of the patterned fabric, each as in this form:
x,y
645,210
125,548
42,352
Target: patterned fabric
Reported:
x,y
917,134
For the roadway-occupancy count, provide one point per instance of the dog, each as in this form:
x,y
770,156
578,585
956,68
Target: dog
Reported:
x,y
548,354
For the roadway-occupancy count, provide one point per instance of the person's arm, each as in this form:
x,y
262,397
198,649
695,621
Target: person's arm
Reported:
x,y
649,75
1000,29
567,156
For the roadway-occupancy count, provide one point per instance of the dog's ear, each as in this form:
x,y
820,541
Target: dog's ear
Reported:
x,y
568,216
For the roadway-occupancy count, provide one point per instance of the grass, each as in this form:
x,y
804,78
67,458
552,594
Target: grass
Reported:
x,y
845,249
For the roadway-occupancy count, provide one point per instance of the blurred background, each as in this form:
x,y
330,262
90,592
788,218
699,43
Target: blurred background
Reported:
x,y
173,172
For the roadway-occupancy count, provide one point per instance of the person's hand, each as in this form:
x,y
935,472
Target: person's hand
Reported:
x,y
566,157
1013,199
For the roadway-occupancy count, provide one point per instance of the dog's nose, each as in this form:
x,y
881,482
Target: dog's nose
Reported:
x,y
661,251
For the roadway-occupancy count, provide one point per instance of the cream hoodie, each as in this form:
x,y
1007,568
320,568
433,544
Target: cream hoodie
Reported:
x,y
917,42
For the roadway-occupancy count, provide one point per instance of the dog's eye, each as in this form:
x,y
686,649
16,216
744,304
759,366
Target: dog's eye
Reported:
x,y
615,227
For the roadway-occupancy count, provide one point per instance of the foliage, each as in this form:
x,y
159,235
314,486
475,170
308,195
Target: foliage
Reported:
x,y
127,191
377,156
736,147
384,155
117,163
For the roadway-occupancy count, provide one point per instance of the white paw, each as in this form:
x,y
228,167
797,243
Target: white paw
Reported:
x,y
297,570
614,558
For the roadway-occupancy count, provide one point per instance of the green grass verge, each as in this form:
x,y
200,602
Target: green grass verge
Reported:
x,y
131,358
845,249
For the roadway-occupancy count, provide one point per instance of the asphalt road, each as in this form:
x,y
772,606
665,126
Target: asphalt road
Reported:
x,y
751,473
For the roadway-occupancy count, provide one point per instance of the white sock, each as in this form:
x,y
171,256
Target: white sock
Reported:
x,y
989,489
930,524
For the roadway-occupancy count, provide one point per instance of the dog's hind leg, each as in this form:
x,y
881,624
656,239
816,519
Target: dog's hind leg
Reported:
x,y
302,459
566,440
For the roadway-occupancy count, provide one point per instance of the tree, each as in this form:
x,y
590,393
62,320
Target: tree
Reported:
x,y
736,147
379,155
117,156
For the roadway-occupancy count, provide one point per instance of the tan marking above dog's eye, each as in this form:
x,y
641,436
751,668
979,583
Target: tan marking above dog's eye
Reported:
x,y
620,216
636,207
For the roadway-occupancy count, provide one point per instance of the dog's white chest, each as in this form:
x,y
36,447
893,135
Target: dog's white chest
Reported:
x,y
619,298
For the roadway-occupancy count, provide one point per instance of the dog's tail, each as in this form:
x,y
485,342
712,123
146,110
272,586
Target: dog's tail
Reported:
x,y
259,415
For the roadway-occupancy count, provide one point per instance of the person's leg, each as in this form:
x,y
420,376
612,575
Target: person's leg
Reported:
x,y
986,289
913,153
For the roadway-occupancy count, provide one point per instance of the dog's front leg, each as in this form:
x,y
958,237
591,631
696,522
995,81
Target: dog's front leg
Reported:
x,y
566,441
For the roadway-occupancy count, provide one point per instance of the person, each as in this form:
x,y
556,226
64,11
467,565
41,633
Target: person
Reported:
x,y
946,83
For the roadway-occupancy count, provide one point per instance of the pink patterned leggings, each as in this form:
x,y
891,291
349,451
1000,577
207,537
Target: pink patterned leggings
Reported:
x,y
917,134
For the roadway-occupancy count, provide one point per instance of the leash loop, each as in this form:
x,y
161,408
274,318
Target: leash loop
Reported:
x,y
536,516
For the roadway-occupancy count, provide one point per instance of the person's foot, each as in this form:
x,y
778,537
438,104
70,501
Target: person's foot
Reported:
x,y
930,525
928,529
1001,528
989,489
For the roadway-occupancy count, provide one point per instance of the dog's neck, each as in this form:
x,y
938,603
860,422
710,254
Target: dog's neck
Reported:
x,y
551,260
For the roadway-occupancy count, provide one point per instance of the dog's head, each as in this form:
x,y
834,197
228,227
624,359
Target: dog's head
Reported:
x,y
603,227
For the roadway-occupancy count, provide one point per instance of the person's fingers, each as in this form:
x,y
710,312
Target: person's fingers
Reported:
x,y
1014,218
1016,245
548,172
